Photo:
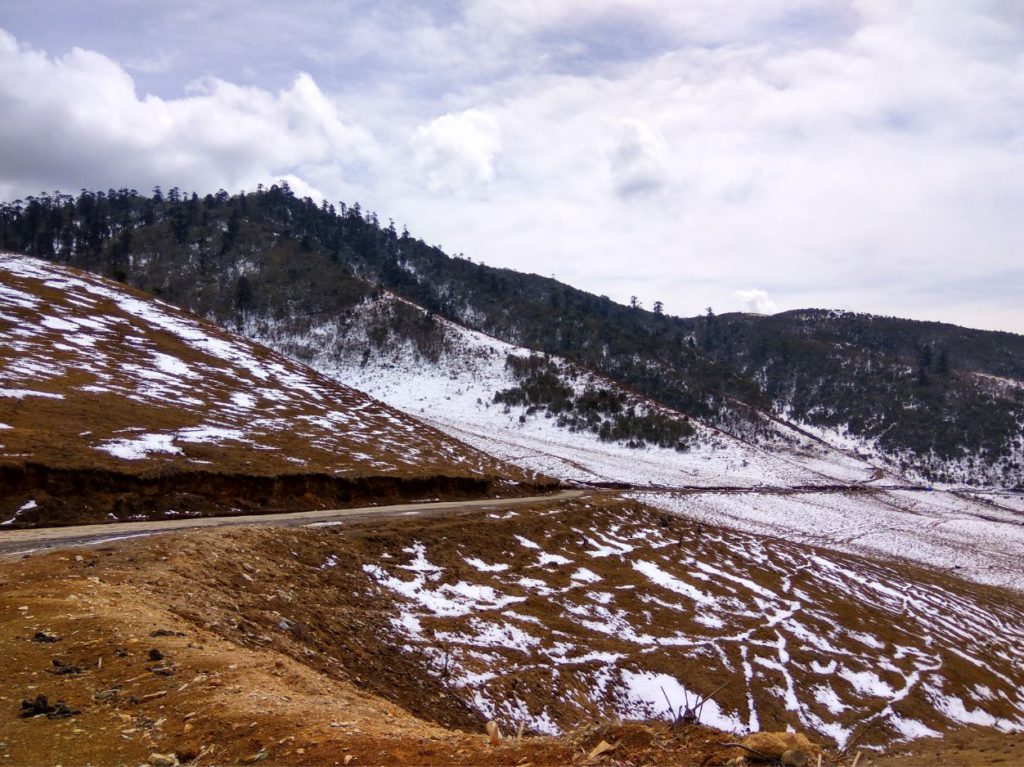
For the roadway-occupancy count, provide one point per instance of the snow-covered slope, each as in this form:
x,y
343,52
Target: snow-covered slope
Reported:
x,y
455,391
94,376
980,537
581,613
453,388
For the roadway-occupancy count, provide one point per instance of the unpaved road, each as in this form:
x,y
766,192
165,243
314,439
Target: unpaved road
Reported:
x,y
14,542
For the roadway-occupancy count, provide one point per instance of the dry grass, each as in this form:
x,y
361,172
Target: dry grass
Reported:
x,y
102,378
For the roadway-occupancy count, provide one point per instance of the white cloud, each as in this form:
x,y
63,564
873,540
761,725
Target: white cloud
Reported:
x,y
756,301
455,152
77,121
636,161
837,153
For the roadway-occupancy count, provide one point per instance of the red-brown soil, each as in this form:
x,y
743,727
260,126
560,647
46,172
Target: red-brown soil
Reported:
x,y
224,702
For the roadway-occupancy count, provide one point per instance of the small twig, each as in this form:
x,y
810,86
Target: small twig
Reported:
x,y
671,708
856,759
748,749
706,698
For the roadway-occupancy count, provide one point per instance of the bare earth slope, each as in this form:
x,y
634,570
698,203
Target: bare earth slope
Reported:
x,y
116,405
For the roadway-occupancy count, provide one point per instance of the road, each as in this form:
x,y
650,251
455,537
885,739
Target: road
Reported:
x,y
15,542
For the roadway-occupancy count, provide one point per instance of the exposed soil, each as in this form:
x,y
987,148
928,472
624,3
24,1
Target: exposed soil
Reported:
x,y
970,747
64,496
148,681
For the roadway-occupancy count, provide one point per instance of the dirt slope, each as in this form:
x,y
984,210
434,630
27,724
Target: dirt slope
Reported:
x,y
110,398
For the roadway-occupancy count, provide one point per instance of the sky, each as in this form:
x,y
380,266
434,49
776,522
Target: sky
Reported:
x,y
756,155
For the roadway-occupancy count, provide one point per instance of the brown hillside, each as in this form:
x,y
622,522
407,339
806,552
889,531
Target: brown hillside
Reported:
x,y
116,405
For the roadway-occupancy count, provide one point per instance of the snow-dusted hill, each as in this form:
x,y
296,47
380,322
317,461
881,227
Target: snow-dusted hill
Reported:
x,y
593,612
558,615
455,391
861,505
97,377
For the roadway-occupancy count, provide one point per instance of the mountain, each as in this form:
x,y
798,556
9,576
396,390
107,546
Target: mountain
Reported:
x,y
545,413
759,549
117,406
936,402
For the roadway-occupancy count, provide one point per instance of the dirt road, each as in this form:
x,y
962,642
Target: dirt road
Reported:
x,y
15,542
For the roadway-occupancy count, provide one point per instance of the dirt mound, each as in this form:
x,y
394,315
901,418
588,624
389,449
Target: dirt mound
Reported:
x,y
651,742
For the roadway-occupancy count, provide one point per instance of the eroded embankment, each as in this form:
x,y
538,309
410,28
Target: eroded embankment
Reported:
x,y
556,616
35,495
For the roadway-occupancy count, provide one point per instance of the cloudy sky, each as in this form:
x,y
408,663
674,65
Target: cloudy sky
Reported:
x,y
759,155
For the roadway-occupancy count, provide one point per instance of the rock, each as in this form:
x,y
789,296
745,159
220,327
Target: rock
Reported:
x,y
106,696
62,711
166,633
36,707
162,760
794,758
791,749
62,667
155,655
188,753
42,636
40,705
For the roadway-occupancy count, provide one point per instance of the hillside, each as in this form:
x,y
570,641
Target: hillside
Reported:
x,y
549,415
394,642
116,406
938,402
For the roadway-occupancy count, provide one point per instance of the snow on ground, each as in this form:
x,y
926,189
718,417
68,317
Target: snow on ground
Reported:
x,y
456,395
978,533
159,383
980,541
805,639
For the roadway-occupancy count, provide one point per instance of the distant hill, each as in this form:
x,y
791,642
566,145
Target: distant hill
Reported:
x,y
942,402
117,406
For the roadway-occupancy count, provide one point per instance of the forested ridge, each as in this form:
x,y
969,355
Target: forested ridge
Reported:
x,y
930,394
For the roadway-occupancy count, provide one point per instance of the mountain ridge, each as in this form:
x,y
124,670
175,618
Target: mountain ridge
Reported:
x,y
921,391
